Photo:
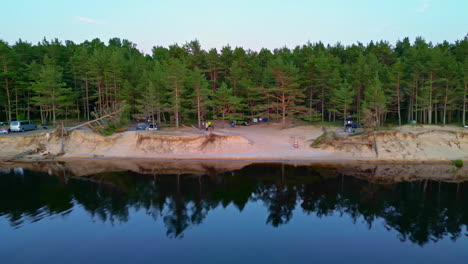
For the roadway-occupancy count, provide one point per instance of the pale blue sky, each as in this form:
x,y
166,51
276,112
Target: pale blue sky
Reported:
x,y
248,23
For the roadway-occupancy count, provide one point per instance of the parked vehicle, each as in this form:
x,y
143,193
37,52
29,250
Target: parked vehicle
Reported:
x,y
23,125
242,122
260,119
4,131
142,126
349,121
4,123
153,126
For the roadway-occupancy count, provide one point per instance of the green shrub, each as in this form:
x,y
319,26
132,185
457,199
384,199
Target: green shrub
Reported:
x,y
458,163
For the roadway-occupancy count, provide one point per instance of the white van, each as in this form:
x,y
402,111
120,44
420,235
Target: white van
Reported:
x,y
23,125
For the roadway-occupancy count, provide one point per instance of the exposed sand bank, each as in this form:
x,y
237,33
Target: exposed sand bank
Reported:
x,y
261,142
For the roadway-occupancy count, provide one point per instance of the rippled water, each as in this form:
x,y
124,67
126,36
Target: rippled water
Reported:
x,y
133,212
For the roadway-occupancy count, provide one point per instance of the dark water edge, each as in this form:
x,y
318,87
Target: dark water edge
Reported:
x,y
128,212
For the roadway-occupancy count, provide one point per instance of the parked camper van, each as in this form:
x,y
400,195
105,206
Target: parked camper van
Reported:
x,y
23,125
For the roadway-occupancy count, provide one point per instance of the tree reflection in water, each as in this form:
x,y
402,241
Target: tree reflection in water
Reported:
x,y
420,211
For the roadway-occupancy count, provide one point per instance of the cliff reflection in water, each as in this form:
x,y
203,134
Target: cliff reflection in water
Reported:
x,y
419,210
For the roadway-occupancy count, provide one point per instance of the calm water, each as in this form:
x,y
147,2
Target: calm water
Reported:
x,y
263,213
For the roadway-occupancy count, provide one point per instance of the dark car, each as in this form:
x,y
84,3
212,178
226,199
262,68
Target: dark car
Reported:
x,y
242,122
142,126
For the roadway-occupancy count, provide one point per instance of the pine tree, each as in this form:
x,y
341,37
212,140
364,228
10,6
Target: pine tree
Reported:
x,y
201,91
226,103
176,74
51,94
153,83
465,89
374,104
5,74
79,67
398,75
343,98
327,77
252,96
285,93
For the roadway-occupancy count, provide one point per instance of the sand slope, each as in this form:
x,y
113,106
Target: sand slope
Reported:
x,y
425,144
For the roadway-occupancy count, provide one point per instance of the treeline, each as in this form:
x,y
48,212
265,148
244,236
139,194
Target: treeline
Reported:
x,y
374,83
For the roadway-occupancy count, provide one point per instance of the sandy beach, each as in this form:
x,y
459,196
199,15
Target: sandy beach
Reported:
x,y
262,142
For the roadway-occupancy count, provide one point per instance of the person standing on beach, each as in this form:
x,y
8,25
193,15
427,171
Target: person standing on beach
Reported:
x,y
210,126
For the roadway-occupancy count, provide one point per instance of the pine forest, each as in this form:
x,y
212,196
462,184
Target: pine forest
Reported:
x,y
377,83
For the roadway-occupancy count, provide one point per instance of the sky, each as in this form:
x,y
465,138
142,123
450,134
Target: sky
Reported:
x,y
252,24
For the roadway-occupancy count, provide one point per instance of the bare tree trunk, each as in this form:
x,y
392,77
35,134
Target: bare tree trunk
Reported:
x,y
16,102
429,110
416,102
358,102
213,76
99,95
284,116
398,100
158,110
410,106
7,88
445,102
87,97
176,106
323,102
198,109
310,101
114,102
78,111
42,114
8,108
464,103
28,112
223,115
283,103
53,114
344,112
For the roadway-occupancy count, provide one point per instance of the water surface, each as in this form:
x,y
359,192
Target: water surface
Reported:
x,y
130,212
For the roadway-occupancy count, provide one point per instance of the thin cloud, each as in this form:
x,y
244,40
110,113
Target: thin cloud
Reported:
x,y
89,20
424,6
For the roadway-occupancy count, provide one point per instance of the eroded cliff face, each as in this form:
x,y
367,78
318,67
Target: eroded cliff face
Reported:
x,y
389,145
131,144
396,145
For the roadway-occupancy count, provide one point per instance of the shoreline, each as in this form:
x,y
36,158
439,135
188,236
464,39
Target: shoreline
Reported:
x,y
316,160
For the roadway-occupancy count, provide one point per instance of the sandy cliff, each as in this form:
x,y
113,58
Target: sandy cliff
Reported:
x,y
428,144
